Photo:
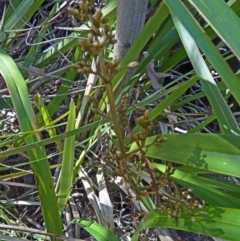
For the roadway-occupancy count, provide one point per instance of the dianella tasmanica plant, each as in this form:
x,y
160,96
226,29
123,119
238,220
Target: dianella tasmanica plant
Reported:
x,y
131,166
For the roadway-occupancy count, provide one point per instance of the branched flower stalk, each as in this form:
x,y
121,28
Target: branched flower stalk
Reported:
x,y
111,102
98,39
122,161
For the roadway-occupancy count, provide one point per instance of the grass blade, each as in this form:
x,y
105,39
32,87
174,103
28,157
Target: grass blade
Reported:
x,y
53,139
206,188
225,118
47,120
37,156
197,150
66,175
217,222
209,10
97,231
204,43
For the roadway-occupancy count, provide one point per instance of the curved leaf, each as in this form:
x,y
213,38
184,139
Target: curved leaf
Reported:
x,y
66,175
206,45
97,231
218,104
210,152
216,222
37,156
209,10
213,192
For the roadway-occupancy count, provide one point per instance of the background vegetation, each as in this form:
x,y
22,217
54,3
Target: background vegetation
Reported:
x,y
158,154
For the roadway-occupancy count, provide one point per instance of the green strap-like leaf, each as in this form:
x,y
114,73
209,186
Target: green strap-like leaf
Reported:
x,y
37,156
53,139
97,231
210,152
222,19
218,104
66,175
212,221
207,188
206,45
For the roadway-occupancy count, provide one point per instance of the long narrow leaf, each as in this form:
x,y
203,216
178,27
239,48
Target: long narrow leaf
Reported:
x,y
97,231
53,139
210,152
209,10
220,108
37,156
47,120
67,161
204,43
212,221
206,189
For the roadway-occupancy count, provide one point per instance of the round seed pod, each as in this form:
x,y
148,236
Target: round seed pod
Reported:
x,y
163,140
98,14
82,63
106,29
73,11
83,6
90,37
141,108
87,69
141,136
83,17
116,61
134,137
76,66
81,71
104,21
149,128
96,44
96,22
200,206
110,64
146,114
113,41
85,45
95,31
195,203
141,121
133,65
102,41
95,111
